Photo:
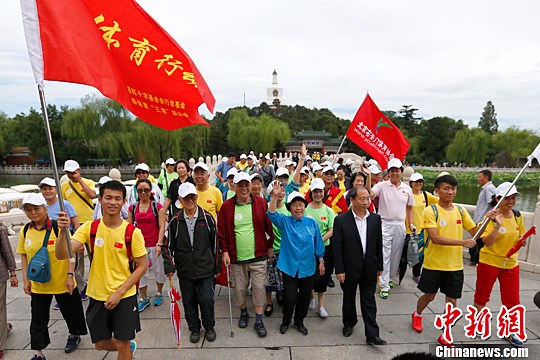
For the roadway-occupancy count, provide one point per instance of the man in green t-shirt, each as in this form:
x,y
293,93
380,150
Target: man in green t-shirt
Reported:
x,y
246,239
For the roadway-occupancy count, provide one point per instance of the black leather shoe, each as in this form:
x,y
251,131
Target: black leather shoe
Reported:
x,y
331,283
300,327
375,341
210,335
347,331
268,310
279,298
195,337
243,321
283,328
259,327
72,344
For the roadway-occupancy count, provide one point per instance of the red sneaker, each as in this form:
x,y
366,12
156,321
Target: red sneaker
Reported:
x,y
417,322
443,342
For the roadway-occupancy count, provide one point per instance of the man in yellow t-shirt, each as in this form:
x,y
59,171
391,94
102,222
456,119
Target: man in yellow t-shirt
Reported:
x,y
111,285
209,197
443,255
79,192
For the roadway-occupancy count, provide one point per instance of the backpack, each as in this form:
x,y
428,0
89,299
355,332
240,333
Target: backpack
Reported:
x,y
127,238
154,210
39,267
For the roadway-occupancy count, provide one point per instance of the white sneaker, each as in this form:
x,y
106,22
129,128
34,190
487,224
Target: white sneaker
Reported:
x,y
311,304
322,312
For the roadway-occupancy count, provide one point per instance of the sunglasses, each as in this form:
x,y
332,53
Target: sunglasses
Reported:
x,y
190,198
146,191
139,172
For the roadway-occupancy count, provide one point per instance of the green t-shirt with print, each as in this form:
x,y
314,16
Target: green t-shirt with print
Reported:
x,y
244,232
324,218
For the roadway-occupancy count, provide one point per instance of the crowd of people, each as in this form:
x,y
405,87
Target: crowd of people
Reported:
x,y
274,230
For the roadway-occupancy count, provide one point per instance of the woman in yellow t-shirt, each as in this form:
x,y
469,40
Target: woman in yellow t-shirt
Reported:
x,y
503,232
422,199
61,284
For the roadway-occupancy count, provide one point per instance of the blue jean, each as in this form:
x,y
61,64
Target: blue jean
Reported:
x,y
198,294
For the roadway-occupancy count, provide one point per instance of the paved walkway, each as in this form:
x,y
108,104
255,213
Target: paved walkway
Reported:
x,y
324,341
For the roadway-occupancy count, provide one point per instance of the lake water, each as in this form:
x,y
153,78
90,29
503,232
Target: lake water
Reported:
x,y
467,193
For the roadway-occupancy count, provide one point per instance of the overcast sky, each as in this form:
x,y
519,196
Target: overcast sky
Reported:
x,y
444,58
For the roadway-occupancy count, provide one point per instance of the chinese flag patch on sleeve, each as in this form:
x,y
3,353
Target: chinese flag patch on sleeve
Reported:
x,y
118,245
458,221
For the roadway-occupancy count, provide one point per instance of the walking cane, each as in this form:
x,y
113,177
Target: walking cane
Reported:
x,y
230,304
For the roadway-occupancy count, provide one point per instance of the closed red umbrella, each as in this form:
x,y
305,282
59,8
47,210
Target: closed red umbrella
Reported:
x,y
175,311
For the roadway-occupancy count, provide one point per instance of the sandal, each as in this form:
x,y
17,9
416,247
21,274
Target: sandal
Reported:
x,y
268,310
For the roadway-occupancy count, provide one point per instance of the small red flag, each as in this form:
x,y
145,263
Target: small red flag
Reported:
x,y
376,134
116,47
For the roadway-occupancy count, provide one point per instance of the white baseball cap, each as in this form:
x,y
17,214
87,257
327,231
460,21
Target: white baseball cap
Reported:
x,y
374,169
328,168
304,170
267,157
252,157
224,159
294,195
316,167
143,167
256,176
232,172
71,166
200,165
327,163
104,179
170,161
282,172
186,189
241,176
47,181
373,162
243,156
416,177
394,163
34,199
348,162
289,162
308,158
503,188
316,184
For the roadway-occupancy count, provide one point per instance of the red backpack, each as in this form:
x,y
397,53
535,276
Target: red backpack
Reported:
x,y
127,238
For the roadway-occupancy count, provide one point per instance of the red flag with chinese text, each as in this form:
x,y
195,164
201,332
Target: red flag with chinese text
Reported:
x,y
116,47
376,134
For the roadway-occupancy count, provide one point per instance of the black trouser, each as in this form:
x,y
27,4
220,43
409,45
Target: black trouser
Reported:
x,y
368,306
321,282
198,293
72,312
417,269
296,296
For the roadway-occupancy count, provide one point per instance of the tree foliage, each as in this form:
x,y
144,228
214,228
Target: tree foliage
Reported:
x,y
488,120
469,146
260,133
518,143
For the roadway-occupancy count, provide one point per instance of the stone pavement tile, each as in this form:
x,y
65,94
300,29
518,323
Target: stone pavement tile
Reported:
x,y
354,352
396,329
59,355
158,334
19,338
210,354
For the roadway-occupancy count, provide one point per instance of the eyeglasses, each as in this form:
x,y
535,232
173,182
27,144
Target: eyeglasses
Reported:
x,y
146,191
139,172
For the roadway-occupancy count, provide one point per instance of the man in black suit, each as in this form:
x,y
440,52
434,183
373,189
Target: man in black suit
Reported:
x,y
357,245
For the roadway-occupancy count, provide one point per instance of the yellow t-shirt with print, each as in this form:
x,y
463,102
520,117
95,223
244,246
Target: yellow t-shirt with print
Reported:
x,y
84,212
304,189
59,268
110,264
450,224
508,235
210,200
418,210
241,166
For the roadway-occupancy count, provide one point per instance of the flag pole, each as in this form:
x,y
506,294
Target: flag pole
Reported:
x,y
530,158
339,149
53,162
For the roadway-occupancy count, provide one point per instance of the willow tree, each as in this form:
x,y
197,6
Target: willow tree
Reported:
x,y
104,126
469,145
255,133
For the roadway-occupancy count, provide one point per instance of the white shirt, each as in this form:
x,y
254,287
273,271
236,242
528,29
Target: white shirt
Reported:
x,y
393,200
361,226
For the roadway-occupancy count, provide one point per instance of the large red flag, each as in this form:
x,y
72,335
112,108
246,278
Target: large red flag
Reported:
x,y
376,134
116,47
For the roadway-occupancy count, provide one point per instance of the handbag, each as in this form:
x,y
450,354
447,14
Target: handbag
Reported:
x,y
39,267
